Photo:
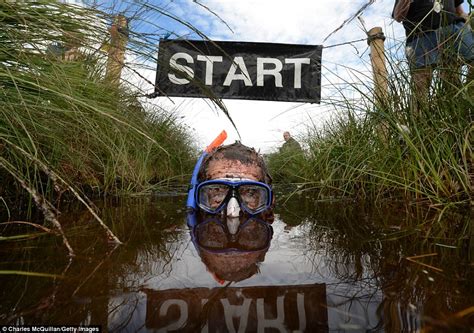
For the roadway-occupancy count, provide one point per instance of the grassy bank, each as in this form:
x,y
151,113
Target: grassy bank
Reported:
x,y
396,149
65,128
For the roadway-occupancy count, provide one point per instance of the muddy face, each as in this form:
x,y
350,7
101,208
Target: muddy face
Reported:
x,y
222,168
238,162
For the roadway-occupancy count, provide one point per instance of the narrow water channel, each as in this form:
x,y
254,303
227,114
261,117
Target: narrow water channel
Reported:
x,y
321,267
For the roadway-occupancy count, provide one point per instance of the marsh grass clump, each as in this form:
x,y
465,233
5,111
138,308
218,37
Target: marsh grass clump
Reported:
x,y
388,155
287,167
65,129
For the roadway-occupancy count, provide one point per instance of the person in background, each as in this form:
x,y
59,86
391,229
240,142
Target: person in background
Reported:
x,y
437,35
290,145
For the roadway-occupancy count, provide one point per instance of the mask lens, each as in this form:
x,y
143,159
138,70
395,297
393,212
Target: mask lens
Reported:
x,y
253,236
212,235
254,197
212,196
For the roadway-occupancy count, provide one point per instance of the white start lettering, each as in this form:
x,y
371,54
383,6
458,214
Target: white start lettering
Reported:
x,y
183,69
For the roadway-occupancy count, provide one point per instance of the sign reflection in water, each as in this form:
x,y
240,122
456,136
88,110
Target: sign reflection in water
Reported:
x,y
248,309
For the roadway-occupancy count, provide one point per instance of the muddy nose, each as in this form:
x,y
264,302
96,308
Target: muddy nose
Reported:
x,y
233,208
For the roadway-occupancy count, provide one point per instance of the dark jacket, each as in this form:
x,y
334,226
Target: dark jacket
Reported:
x,y
290,145
422,18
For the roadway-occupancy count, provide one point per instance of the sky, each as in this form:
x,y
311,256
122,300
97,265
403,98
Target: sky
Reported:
x,y
261,123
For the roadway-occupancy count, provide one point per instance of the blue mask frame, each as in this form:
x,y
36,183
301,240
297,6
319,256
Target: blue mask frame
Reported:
x,y
233,186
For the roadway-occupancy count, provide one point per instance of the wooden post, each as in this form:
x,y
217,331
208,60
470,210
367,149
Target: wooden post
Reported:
x,y
74,41
376,40
118,41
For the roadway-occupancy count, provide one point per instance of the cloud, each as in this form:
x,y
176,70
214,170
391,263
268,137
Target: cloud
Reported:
x,y
297,21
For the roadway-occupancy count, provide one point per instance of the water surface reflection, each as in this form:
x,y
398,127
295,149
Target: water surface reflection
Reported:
x,y
319,268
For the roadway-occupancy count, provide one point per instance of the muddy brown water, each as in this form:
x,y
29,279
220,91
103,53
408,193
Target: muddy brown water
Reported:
x,y
328,267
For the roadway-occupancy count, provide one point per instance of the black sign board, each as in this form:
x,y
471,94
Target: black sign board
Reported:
x,y
238,70
249,309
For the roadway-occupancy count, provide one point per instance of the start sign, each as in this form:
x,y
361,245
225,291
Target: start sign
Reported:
x,y
261,71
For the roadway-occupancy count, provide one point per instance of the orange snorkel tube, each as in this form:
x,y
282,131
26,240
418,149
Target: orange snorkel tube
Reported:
x,y
217,142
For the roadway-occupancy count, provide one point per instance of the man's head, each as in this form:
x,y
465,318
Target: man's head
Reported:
x,y
286,135
234,177
234,161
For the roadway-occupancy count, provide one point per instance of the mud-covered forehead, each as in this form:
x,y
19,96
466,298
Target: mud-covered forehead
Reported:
x,y
234,161
238,152
224,168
